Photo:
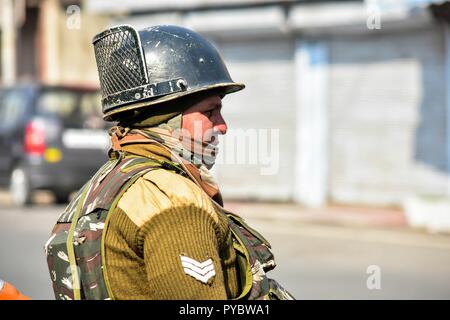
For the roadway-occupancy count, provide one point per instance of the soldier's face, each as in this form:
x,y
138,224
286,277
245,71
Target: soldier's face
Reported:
x,y
204,121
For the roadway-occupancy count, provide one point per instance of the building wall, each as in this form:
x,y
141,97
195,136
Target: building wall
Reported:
x,y
387,117
76,53
265,108
384,104
66,52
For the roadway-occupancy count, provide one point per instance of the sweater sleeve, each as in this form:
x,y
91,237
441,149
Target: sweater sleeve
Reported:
x,y
181,254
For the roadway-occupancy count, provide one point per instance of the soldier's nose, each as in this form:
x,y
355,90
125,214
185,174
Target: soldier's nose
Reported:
x,y
220,127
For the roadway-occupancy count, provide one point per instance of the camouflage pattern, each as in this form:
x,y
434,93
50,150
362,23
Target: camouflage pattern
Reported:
x,y
255,260
87,216
75,250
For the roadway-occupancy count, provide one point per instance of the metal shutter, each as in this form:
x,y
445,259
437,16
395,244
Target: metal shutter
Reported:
x,y
387,117
268,102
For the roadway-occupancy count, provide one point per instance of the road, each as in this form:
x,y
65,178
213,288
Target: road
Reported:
x,y
315,261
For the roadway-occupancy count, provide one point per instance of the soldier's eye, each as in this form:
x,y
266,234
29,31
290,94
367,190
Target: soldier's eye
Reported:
x,y
208,113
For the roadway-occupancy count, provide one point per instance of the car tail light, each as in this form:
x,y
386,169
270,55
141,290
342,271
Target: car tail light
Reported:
x,y
35,138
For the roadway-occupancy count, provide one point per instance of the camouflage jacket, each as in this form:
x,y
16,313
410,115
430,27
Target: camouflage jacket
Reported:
x,y
76,254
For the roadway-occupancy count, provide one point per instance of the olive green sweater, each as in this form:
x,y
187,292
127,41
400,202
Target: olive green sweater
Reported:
x,y
160,218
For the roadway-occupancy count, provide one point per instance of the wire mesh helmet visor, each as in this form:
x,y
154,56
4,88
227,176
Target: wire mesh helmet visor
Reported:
x,y
155,65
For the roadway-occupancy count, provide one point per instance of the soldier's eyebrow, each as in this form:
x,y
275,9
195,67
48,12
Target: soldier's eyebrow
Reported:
x,y
213,105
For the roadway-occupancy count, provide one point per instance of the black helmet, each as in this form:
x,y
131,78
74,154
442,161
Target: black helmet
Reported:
x,y
155,65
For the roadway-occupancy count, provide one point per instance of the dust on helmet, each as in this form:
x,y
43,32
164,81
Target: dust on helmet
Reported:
x,y
155,65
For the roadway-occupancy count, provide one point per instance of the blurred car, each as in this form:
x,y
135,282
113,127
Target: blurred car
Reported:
x,y
51,137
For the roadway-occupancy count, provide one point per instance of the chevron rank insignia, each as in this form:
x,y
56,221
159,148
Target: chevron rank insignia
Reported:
x,y
202,271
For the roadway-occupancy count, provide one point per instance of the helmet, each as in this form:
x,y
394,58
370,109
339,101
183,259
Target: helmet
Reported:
x,y
155,65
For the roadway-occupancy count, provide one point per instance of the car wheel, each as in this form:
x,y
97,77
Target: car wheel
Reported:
x,y
19,187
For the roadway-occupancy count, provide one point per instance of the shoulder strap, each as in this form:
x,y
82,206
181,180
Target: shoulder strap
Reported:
x,y
100,193
104,189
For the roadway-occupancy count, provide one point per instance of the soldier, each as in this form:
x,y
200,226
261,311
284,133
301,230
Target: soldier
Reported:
x,y
150,224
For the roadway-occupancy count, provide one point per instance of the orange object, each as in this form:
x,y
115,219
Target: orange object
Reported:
x,y
9,292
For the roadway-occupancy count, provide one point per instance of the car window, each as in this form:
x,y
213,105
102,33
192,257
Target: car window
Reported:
x,y
78,110
13,105
91,111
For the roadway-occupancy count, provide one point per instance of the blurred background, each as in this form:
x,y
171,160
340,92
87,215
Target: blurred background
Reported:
x,y
357,199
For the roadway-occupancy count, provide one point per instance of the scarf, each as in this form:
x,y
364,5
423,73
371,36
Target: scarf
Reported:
x,y
164,145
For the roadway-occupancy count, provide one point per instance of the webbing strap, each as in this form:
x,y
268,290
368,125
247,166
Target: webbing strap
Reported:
x,y
248,272
76,282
